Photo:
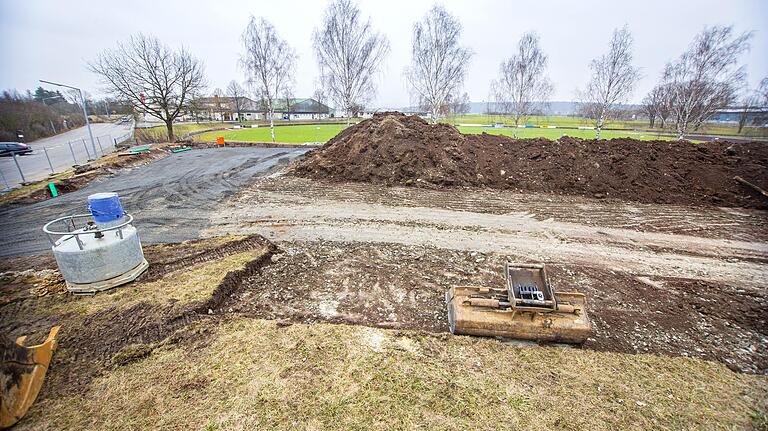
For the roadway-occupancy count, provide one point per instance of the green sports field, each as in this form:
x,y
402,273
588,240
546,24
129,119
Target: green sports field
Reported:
x,y
322,133
558,133
283,134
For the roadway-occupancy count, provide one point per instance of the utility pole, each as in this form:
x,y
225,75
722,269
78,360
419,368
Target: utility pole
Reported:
x,y
85,112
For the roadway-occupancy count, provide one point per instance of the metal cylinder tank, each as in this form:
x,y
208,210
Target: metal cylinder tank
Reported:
x,y
103,252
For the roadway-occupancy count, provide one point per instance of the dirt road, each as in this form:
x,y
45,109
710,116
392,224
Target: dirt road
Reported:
x,y
171,199
660,279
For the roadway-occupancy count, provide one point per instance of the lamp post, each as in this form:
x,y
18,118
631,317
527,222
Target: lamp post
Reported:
x,y
85,113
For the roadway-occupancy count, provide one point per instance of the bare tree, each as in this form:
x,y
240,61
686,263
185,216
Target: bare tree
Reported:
x,y
289,102
195,104
650,105
522,80
461,105
438,63
269,63
349,54
151,76
762,91
236,93
706,77
613,78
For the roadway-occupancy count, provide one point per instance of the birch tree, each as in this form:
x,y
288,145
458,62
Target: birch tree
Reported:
x,y
522,80
151,77
706,77
613,78
269,63
349,53
438,63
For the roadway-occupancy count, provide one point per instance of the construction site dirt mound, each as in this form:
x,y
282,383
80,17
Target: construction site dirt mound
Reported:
x,y
392,148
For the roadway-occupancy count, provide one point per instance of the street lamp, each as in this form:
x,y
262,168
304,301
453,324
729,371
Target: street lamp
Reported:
x,y
85,114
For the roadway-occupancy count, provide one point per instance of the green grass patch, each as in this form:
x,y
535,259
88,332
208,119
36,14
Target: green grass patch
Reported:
x,y
558,133
283,134
710,129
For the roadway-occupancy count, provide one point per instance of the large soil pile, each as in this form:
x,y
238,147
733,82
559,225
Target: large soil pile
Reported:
x,y
392,148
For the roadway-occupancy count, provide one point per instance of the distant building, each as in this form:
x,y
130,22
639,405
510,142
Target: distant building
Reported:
x,y
755,116
223,108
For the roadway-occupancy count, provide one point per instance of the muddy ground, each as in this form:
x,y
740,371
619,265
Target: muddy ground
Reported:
x,y
397,286
659,278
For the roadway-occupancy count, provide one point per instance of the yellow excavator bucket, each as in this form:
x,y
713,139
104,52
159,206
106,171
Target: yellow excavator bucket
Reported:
x,y
527,308
22,371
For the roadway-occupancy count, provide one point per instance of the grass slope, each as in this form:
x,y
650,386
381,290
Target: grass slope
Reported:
x,y
258,375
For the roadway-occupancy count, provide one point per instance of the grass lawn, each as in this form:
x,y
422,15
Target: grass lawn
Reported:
x,y
712,129
322,133
557,133
284,134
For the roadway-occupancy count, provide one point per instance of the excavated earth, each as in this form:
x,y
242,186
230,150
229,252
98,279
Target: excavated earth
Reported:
x,y
392,148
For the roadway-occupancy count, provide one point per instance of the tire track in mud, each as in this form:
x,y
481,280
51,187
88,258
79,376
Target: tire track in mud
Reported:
x,y
722,223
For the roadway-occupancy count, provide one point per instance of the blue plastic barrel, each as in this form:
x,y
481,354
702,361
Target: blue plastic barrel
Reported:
x,y
105,207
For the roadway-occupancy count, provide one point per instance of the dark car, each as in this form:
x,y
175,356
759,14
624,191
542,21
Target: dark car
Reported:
x,y
7,149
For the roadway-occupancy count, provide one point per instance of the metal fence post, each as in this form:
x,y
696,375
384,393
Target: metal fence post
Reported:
x,y
50,165
98,141
72,151
23,180
86,150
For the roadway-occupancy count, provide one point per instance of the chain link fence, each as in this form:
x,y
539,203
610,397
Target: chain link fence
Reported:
x,y
47,159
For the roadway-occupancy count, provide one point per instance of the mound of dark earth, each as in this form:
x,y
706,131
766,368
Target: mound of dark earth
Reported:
x,y
392,148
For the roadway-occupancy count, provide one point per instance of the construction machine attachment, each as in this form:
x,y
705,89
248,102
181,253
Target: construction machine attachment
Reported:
x,y
22,371
528,308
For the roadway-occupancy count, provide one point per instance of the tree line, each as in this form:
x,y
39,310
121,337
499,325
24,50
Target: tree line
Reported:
x,y
164,82
43,113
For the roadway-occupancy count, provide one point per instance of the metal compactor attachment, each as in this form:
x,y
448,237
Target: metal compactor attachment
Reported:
x,y
528,308
22,371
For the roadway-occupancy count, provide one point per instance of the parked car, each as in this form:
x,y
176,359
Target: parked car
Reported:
x,y
8,149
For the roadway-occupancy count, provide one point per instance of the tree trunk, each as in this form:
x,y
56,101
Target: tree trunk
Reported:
x,y
599,125
272,126
742,120
651,121
169,128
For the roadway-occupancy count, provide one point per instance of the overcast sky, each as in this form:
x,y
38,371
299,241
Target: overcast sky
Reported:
x,y
53,40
